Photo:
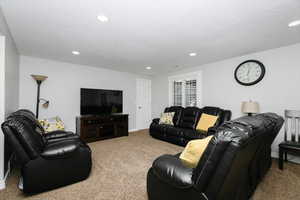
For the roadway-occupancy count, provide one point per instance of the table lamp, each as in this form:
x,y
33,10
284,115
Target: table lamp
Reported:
x,y
250,107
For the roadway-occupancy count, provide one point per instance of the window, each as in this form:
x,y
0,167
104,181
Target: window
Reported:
x,y
177,94
190,93
184,90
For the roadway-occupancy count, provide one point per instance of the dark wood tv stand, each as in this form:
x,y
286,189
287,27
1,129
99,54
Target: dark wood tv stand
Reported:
x,y
100,127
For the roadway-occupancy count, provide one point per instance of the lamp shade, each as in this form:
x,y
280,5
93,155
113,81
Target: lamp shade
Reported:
x,y
250,107
39,77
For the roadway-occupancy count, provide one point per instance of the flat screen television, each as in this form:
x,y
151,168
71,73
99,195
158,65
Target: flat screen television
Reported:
x,y
97,102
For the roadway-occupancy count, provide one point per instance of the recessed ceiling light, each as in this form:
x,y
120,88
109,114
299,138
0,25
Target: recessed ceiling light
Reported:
x,y
75,52
148,68
192,54
102,18
294,23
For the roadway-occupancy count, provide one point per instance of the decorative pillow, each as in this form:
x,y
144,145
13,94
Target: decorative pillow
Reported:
x,y
52,124
206,121
193,151
167,118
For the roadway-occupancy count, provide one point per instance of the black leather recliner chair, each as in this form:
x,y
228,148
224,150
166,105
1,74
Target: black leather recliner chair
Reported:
x,y
28,117
46,162
185,121
235,161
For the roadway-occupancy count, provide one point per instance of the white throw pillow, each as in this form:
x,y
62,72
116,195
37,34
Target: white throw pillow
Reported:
x,y
52,124
167,118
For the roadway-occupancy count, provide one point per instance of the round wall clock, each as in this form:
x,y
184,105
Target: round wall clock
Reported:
x,y
249,72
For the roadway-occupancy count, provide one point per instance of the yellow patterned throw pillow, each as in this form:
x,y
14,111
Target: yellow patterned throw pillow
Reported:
x,y
206,121
52,124
193,151
167,118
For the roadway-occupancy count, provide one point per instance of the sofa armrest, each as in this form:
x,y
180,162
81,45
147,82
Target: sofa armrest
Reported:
x,y
212,130
170,169
60,149
156,121
226,115
59,134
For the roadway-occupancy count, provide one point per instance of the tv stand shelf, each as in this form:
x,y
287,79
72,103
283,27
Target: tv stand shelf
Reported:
x,y
92,128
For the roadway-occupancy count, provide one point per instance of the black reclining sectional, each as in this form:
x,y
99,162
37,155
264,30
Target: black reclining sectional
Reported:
x,y
234,162
185,121
47,161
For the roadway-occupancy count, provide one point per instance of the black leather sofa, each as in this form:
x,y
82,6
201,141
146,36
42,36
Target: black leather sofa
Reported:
x,y
185,121
235,161
47,161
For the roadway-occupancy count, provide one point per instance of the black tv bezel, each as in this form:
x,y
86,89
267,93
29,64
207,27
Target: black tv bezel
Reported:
x,y
109,90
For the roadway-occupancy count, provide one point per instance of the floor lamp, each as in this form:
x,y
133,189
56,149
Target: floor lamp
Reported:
x,y
39,79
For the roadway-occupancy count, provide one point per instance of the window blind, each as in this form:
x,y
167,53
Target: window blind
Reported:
x,y
177,94
191,93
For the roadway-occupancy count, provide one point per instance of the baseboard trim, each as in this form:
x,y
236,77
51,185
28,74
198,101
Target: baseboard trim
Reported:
x,y
274,154
2,184
293,159
133,130
3,181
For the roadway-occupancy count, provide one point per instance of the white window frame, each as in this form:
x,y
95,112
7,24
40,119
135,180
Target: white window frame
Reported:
x,y
185,77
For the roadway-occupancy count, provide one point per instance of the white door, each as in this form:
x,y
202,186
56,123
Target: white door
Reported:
x,y
143,103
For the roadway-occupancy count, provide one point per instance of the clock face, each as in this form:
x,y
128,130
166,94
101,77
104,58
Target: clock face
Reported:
x,y
249,72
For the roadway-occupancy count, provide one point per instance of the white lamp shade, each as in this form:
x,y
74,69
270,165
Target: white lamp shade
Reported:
x,y
39,77
250,107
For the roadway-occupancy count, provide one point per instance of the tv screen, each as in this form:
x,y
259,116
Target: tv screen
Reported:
x,y
96,102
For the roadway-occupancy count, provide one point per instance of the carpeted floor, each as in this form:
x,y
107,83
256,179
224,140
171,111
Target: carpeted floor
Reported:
x,y
119,173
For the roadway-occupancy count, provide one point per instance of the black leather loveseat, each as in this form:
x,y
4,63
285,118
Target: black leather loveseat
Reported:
x,y
185,121
234,162
47,161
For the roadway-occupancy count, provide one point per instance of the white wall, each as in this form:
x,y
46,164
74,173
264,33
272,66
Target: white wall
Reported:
x,y
160,92
12,63
9,83
2,107
279,90
63,85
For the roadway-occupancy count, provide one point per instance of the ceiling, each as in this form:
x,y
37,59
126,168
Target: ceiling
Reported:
x,y
142,33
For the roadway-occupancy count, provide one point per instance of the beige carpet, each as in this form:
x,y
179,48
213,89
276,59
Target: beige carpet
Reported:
x,y
120,167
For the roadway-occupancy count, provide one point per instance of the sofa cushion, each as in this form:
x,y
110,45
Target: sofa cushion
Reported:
x,y
212,110
190,117
159,128
176,140
175,131
191,134
61,149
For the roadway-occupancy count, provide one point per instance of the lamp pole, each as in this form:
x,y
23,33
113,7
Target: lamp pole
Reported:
x,y
39,79
38,98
